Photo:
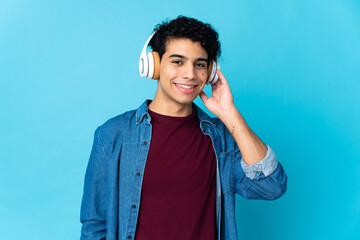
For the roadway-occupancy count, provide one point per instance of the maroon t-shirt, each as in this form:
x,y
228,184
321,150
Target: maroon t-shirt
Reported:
x,y
178,189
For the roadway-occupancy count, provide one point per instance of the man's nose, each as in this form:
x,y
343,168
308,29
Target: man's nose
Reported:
x,y
189,71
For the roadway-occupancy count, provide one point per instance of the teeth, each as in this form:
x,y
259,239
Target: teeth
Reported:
x,y
185,86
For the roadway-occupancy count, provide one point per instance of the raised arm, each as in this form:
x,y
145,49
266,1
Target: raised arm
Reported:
x,y
266,178
221,104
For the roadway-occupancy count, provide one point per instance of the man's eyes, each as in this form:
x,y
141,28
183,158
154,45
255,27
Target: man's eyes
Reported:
x,y
179,62
202,65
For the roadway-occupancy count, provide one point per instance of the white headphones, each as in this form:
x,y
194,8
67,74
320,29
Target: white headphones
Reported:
x,y
149,65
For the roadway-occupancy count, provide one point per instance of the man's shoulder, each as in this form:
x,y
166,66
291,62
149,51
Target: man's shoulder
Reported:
x,y
218,131
122,121
116,126
213,121
118,120
113,131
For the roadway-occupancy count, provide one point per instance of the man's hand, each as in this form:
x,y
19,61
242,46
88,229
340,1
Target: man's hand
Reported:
x,y
221,100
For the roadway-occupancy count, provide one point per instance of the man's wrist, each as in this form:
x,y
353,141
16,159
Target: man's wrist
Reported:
x,y
229,112
231,115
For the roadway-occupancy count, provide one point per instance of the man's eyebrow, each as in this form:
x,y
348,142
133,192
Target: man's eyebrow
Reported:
x,y
183,57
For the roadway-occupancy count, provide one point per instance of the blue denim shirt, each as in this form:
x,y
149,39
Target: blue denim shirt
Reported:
x,y
113,179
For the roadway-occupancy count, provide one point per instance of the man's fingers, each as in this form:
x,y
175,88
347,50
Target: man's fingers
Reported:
x,y
214,86
221,76
203,96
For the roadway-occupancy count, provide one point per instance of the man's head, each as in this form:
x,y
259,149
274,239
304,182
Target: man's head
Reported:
x,y
189,28
185,46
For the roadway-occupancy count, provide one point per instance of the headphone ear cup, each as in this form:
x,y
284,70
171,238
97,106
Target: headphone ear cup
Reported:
x,y
209,71
156,58
213,77
150,67
143,65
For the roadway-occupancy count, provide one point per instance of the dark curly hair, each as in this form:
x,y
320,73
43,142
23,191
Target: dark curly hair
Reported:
x,y
186,27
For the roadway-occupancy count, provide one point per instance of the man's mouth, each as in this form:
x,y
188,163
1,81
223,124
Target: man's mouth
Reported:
x,y
185,86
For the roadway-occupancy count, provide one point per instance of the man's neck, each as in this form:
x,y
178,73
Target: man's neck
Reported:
x,y
173,109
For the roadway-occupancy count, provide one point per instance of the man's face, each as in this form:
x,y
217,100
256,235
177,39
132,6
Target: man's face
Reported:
x,y
183,72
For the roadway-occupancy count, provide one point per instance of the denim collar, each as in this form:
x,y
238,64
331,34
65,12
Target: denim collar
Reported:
x,y
143,113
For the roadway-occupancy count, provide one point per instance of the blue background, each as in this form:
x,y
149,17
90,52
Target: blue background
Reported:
x,y
293,66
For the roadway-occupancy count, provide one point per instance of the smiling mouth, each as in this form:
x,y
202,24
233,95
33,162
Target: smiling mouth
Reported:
x,y
185,86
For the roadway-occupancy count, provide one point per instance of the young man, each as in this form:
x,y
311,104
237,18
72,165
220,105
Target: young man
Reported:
x,y
167,170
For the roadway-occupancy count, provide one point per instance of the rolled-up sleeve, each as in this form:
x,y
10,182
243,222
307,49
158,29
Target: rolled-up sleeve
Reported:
x,y
266,166
263,180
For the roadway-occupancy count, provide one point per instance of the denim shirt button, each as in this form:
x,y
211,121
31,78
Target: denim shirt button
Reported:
x,y
138,174
133,206
145,142
129,237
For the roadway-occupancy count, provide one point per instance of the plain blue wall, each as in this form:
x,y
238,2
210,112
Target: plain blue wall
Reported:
x,y
294,68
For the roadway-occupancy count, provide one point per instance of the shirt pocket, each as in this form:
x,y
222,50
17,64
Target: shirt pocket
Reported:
x,y
226,169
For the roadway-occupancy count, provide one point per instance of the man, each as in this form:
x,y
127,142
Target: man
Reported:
x,y
167,170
